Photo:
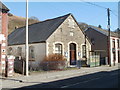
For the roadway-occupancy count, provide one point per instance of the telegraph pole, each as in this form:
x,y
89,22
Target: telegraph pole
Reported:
x,y
27,47
109,46
85,47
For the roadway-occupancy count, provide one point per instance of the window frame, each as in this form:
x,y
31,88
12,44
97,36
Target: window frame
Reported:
x,y
118,42
83,51
60,48
113,43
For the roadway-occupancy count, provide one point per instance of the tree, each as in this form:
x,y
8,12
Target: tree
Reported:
x,y
83,26
34,18
99,26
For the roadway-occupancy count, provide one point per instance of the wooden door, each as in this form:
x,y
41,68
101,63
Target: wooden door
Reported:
x,y
72,54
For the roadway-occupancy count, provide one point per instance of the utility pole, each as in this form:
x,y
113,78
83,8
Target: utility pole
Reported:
x,y
85,48
109,46
119,14
27,47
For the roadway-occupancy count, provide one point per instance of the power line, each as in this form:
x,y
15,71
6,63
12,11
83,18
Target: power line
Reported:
x,y
94,4
100,7
114,13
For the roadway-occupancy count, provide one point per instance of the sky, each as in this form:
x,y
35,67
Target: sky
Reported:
x,y
82,11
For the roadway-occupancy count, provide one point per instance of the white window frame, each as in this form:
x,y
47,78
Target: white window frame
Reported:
x,y
59,51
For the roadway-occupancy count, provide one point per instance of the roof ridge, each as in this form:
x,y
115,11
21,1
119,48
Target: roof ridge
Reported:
x,y
41,30
52,18
99,28
103,31
46,20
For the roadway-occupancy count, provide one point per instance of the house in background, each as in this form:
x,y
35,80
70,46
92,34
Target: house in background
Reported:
x,y
99,40
3,35
60,35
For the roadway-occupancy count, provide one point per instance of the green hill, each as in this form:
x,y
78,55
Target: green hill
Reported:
x,y
17,21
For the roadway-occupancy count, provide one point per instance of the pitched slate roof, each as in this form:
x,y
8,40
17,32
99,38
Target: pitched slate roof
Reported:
x,y
38,32
3,7
103,31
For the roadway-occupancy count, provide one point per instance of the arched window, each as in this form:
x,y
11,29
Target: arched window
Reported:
x,y
83,51
19,51
31,52
10,51
58,48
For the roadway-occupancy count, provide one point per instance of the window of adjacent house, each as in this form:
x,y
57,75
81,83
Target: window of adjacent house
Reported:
x,y
113,43
10,51
58,48
114,56
83,51
118,41
19,51
31,52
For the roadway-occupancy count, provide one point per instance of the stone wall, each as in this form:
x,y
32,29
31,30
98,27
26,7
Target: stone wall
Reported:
x,y
68,33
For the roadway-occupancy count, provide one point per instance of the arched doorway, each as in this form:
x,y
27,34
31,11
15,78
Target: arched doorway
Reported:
x,y
72,54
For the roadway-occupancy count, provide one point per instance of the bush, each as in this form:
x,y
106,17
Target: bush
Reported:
x,y
53,62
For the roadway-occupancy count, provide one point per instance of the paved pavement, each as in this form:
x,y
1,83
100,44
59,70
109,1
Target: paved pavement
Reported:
x,y
104,79
37,78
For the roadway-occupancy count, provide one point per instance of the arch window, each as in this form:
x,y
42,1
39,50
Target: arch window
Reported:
x,y
58,48
83,51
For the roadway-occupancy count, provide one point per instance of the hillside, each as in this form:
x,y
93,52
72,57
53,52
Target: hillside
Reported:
x,y
16,22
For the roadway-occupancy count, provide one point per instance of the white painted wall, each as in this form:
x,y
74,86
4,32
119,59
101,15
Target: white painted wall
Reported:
x,y
116,49
39,52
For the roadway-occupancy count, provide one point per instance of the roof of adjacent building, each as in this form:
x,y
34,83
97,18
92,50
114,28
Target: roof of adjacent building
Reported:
x,y
103,31
38,32
3,7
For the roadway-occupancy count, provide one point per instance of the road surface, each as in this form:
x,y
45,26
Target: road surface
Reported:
x,y
104,79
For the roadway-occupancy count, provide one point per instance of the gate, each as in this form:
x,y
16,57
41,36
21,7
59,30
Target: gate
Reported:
x,y
94,59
